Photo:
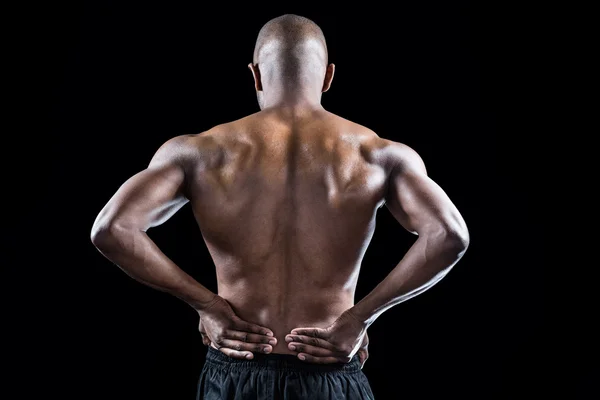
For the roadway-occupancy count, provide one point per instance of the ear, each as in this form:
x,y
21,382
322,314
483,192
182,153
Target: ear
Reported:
x,y
328,77
256,74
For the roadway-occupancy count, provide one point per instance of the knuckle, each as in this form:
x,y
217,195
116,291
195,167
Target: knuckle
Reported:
x,y
238,346
219,339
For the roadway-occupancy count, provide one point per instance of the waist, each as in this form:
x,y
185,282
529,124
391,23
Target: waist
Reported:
x,y
277,362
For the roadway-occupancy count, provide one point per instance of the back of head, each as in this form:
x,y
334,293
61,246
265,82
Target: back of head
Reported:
x,y
291,49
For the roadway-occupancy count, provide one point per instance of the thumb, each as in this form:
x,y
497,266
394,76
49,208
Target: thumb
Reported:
x,y
205,339
363,355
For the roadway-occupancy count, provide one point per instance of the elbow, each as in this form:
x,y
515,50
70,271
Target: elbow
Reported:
x,y
444,245
100,235
104,234
450,242
457,241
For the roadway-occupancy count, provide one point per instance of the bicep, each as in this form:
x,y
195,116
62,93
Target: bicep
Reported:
x,y
416,201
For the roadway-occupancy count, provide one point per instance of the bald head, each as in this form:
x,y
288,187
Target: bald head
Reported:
x,y
290,37
290,60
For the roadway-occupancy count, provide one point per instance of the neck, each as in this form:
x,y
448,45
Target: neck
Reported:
x,y
291,97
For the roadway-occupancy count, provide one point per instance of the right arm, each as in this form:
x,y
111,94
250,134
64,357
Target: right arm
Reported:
x,y
422,208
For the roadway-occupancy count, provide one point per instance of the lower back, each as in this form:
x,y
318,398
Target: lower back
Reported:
x,y
282,307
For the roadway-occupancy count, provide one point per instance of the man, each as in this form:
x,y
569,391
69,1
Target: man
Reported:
x,y
286,200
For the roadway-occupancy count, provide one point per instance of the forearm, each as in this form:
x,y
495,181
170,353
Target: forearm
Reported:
x,y
426,263
138,256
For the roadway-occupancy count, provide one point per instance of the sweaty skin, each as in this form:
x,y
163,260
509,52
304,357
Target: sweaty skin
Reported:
x,y
286,200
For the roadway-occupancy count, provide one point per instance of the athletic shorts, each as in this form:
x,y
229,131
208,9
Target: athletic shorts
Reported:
x,y
280,377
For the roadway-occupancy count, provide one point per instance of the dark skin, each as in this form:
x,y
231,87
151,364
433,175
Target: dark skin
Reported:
x,y
285,200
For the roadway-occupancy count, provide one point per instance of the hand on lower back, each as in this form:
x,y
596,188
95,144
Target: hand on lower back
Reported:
x,y
363,352
339,342
223,330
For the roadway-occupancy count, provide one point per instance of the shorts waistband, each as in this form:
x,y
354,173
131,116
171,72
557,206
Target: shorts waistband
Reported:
x,y
279,362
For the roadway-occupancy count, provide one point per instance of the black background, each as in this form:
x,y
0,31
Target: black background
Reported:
x,y
118,79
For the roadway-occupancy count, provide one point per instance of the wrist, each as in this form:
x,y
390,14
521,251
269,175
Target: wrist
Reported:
x,y
360,315
203,306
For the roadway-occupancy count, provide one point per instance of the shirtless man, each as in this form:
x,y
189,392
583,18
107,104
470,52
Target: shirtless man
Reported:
x,y
286,200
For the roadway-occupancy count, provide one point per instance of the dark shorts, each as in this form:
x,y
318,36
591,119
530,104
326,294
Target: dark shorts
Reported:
x,y
280,377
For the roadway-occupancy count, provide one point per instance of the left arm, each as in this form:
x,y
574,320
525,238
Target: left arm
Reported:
x,y
148,199
145,200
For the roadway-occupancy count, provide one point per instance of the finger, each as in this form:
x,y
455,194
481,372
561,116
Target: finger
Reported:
x,y
244,326
312,350
243,346
314,341
313,332
250,337
363,356
318,360
240,355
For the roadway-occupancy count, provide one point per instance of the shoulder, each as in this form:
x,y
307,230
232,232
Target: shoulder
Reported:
x,y
174,151
188,150
389,154
399,155
184,149
189,143
367,138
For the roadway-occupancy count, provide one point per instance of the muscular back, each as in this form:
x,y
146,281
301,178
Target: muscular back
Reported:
x,y
286,206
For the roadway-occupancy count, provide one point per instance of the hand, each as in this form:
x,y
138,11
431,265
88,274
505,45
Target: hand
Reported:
x,y
205,340
363,352
223,330
339,342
